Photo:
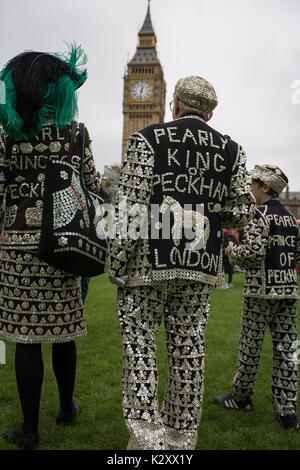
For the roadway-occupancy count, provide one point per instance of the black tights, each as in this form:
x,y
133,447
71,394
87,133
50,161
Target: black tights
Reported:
x,y
30,372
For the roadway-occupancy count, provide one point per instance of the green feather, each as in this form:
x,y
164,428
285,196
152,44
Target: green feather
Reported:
x,y
60,103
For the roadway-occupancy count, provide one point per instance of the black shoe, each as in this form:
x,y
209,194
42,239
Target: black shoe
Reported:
x,y
228,402
288,421
25,441
69,417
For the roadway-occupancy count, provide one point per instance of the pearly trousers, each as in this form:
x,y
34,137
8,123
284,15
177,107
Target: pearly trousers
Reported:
x,y
184,305
281,317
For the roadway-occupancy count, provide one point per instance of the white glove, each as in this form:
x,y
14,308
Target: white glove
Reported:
x,y
119,281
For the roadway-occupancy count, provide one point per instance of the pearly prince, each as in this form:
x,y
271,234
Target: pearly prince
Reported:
x,y
269,253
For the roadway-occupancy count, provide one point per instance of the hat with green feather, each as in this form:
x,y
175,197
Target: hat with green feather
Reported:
x,y
40,86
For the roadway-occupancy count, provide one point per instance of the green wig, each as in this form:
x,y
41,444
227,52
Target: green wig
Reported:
x,y
38,87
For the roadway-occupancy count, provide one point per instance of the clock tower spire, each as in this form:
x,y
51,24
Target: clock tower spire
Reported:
x,y
144,85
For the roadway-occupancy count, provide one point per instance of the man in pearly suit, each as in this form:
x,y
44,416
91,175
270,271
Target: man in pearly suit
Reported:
x,y
181,182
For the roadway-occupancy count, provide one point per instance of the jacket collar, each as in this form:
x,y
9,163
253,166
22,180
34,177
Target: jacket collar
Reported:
x,y
190,116
274,201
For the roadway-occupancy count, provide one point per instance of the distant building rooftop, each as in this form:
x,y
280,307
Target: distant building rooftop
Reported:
x,y
292,195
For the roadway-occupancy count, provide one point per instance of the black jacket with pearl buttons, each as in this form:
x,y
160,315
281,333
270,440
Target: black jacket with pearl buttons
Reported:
x,y
187,173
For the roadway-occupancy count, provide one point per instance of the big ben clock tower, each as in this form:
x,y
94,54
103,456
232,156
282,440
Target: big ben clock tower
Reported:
x,y
144,85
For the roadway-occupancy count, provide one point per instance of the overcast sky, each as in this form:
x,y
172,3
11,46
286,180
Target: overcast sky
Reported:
x,y
248,49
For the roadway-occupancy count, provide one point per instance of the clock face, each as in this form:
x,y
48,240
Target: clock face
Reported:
x,y
141,91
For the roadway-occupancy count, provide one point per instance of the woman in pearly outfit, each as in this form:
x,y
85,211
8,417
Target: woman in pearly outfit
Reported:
x,y
38,303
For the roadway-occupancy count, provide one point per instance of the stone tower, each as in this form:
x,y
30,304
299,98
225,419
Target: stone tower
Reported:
x,y
144,85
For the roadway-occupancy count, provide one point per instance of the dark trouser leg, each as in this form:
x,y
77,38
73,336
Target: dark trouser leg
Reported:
x,y
230,273
64,366
29,373
284,377
255,319
85,287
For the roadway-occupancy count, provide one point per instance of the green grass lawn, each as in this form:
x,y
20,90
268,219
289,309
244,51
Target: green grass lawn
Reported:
x,y
98,388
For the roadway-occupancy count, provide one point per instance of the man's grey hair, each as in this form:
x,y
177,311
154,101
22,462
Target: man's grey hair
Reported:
x,y
184,107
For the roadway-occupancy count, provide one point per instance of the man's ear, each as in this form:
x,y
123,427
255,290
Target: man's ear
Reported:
x,y
176,105
209,116
266,188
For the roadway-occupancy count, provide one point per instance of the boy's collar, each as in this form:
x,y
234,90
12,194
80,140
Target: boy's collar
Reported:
x,y
272,200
